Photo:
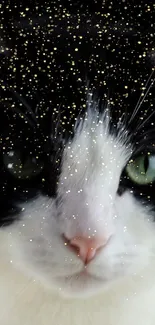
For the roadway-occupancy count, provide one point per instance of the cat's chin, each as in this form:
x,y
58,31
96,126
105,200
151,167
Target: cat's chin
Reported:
x,y
81,285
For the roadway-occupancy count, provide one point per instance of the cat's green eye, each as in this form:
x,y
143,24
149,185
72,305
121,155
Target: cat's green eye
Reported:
x,y
142,169
19,168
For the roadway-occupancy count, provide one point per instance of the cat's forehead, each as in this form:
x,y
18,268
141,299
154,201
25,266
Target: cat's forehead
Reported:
x,y
94,152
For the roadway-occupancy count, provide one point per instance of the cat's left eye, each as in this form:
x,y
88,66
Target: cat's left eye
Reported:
x,y
21,168
142,169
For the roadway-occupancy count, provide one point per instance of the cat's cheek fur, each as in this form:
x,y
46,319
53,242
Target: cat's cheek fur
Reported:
x,y
24,301
120,303
36,246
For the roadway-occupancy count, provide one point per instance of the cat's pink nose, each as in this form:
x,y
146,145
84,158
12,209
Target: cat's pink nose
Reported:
x,y
86,248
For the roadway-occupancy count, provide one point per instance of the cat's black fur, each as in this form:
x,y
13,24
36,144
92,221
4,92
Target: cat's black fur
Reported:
x,y
115,50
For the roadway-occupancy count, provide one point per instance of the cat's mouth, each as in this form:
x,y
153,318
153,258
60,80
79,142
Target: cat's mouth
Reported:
x,y
84,274
81,284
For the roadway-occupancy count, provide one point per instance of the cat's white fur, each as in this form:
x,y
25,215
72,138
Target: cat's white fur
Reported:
x,y
40,279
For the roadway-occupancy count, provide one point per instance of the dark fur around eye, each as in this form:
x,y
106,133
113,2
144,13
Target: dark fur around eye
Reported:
x,y
30,142
45,72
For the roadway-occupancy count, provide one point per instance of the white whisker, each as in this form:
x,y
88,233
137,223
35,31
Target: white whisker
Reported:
x,y
145,121
140,102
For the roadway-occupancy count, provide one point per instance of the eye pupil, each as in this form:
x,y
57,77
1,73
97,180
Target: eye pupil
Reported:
x,y
146,163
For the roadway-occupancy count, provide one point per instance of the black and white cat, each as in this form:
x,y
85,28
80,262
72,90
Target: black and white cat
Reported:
x,y
77,165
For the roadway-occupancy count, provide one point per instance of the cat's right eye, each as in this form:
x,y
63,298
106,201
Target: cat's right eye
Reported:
x,y
22,168
142,169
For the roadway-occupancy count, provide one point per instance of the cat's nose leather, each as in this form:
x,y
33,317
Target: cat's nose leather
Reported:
x,y
86,248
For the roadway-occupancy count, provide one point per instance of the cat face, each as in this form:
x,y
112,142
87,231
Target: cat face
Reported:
x,y
77,176
93,200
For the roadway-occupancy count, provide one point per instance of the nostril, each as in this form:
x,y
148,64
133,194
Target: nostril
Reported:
x,y
67,242
86,248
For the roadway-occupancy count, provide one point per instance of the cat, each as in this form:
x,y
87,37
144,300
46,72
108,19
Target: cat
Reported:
x,y
77,167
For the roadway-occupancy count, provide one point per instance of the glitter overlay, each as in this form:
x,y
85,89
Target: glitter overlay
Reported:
x,y
51,53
